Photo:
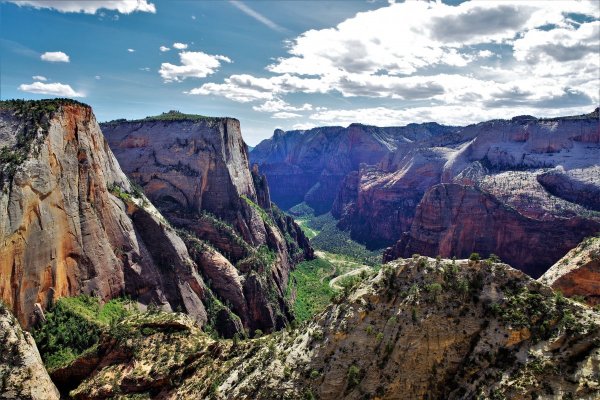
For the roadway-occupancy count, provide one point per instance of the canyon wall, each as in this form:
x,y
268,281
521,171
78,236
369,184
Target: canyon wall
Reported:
x,y
68,224
547,171
197,173
72,222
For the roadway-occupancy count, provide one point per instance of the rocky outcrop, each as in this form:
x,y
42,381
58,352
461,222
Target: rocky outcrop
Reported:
x,y
578,272
72,223
420,328
195,169
22,373
456,220
577,185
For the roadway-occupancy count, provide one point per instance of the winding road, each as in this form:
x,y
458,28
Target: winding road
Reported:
x,y
333,283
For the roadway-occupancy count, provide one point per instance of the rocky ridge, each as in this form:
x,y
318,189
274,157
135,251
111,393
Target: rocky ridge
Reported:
x,y
578,272
74,223
309,165
419,328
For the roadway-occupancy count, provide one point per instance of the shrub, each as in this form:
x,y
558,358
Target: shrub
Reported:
x,y
434,289
474,257
354,376
73,325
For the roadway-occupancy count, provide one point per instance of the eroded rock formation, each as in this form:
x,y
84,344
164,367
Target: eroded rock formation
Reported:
x,y
456,220
419,329
578,272
196,171
310,165
22,373
71,223
545,170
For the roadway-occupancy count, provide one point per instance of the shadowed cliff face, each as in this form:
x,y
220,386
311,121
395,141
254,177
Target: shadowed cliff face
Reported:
x,y
69,223
197,174
310,165
456,220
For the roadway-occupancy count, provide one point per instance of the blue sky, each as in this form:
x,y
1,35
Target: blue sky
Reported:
x,y
298,64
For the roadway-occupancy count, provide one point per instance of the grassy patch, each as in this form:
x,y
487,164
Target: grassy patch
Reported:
x,y
332,239
311,281
308,231
267,219
73,325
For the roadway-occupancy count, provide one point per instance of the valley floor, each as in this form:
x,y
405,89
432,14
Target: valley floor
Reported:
x,y
340,262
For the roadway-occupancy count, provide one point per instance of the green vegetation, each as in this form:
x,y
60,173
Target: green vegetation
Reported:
x,y
332,239
310,282
302,210
225,228
354,376
74,325
526,307
474,257
267,219
260,260
172,115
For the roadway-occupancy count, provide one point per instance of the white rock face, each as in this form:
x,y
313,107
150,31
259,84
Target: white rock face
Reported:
x,y
22,372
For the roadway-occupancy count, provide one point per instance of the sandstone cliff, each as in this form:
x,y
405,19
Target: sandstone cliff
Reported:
x,y
578,272
543,177
71,222
195,169
546,170
420,328
456,220
22,374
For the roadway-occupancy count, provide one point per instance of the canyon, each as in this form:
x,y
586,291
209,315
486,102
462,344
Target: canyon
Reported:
x,y
74,223
149,259
537,175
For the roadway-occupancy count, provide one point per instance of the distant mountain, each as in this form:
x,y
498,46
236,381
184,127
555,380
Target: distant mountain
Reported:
x,y
310,165
545,172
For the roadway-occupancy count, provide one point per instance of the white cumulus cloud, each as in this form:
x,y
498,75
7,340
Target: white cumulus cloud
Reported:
x,y
473,56
285,115
193,65
54,89
276,105
180,46
55,56
164,48
39,78
90,6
